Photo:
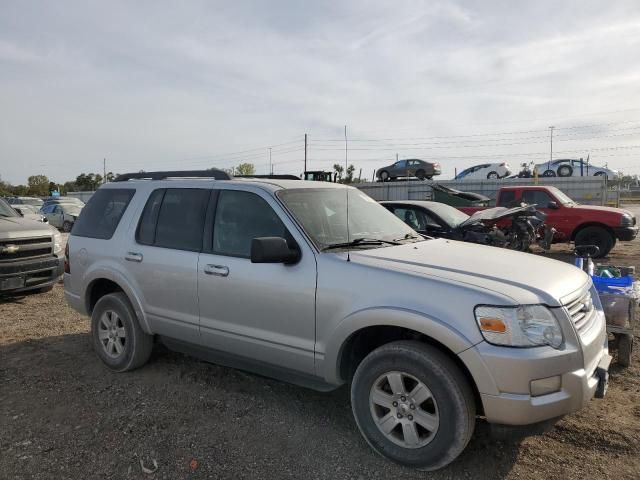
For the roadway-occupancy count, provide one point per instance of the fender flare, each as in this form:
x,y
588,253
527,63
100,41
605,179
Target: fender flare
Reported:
x,y
104,272
432,327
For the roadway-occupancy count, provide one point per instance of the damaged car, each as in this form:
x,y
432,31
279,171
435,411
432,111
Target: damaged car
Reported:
x,y
514,228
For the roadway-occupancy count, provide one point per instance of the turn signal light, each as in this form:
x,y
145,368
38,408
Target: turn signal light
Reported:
x,y
490,324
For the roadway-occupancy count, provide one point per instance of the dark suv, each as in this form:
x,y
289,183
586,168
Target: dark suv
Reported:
x,y
409,168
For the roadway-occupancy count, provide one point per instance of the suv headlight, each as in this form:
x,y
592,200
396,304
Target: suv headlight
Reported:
x,y
626,220
57,242
523,326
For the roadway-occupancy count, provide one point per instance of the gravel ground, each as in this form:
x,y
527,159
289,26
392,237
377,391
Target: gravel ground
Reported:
x,y
63,415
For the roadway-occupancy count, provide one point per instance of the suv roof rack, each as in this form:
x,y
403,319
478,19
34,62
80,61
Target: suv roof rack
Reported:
x,y
274,177
213,173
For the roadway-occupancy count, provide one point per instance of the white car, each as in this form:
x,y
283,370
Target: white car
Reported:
x,y
573,168
486,170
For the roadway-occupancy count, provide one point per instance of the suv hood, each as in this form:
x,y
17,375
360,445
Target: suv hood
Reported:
x,y
523,277
19,227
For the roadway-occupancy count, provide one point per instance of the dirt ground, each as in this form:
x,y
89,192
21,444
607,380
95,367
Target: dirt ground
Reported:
x,y
64,416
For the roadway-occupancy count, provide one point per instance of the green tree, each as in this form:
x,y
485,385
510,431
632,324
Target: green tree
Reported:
x,y
349,176
245,169
88,181
38,185
339,169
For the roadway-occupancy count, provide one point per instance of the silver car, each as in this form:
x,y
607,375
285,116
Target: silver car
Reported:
x,y
317,284
62,215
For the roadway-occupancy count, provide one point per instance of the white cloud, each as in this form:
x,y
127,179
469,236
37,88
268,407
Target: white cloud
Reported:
x,y
150,84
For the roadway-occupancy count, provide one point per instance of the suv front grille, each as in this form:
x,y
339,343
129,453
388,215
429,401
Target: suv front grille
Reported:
x,y
25,248
582,312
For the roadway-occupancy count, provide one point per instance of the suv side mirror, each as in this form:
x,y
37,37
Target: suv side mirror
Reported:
x,y
272,250
553,205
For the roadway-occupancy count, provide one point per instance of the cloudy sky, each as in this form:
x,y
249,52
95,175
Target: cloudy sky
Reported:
x,y
187,84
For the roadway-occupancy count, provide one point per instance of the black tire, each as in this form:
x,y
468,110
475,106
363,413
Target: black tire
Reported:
x,y
600,174
137,345
67,226
549,173
421,175
384,176
493,176
429,177
625,347
596,236
450,390
565,171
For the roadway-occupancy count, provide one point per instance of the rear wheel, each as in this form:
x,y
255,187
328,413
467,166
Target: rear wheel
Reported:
x,y
549,173
117,337
413,405
384,176
596,236
492,175
565,171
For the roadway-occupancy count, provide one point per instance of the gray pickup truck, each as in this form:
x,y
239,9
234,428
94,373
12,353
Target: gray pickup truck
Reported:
x,y
31,253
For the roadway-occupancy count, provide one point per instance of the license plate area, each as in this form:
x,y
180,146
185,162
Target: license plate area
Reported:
x,y
11,283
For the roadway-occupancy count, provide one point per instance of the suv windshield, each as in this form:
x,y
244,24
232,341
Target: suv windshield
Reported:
x,y
323,213
6,210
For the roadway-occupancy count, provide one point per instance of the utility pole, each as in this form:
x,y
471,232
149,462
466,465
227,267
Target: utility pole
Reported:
x,y
270,165
345,149
396,157
104,170
305,152
551,151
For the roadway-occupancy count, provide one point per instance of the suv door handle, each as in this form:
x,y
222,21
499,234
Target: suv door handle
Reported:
x,y
133,257
218,270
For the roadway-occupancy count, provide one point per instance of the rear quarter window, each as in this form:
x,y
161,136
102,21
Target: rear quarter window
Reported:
x,y
101,215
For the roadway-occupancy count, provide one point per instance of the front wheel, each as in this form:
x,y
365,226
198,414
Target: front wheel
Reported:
x,y
597,236
421,175
413,405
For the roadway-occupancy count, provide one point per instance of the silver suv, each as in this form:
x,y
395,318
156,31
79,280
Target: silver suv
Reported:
x,y
317,284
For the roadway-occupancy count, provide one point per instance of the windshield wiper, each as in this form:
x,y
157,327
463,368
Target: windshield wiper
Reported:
x,y
407,236
360,242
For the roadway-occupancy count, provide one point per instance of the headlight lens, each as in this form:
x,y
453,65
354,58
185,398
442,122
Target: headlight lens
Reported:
x,y
626,220
523,326
57,242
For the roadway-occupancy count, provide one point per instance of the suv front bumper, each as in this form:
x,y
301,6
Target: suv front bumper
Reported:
x,y
22,276
505,377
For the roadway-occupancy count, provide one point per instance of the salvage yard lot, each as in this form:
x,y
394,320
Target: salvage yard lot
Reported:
x,y
64,415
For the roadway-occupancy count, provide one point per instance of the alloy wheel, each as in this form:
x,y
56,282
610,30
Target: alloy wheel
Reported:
x,y
404,409
112,334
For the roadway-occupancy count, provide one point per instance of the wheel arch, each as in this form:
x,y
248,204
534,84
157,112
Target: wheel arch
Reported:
x,y
104,282
365,331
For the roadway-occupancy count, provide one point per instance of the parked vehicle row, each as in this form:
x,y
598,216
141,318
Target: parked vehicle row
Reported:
x,y
31,255
561,168
318,284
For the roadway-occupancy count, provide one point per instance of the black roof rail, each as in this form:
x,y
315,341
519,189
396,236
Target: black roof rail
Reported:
x,y
213,173
274,177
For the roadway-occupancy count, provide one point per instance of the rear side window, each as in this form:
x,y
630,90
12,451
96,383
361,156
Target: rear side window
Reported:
x,y
101,215
174,218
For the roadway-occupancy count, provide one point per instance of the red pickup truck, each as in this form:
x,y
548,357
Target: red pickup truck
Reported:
x,y
582,224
